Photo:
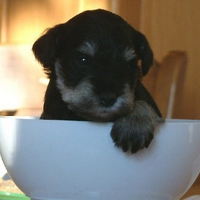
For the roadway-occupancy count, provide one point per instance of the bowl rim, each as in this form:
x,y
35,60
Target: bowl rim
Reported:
x,y
29,118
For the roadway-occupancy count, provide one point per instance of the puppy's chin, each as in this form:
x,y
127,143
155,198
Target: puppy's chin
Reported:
x,y
93,111
98,114
83,101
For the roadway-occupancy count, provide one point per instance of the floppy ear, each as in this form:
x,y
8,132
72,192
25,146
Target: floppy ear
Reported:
x,y
44,48
144,52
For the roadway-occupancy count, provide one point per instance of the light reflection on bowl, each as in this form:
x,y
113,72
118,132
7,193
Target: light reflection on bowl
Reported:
x,y
77,160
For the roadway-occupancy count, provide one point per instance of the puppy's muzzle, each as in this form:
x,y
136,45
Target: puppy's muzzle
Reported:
x,y
107,99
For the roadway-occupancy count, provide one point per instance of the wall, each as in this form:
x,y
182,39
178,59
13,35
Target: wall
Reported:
x,y
175,25
26,20
20,74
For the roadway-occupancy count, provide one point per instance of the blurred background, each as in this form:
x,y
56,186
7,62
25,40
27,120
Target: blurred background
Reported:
x,y
167,24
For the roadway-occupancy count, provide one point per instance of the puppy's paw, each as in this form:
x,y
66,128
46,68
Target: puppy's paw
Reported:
x,y
136,131
129,133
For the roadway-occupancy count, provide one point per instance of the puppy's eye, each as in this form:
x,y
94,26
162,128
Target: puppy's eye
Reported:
x,y
82,60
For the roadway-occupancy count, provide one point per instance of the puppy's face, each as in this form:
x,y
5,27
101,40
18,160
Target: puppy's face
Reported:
x,y
96,80
92,59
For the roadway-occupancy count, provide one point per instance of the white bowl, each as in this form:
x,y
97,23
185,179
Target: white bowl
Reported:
x,y
77,160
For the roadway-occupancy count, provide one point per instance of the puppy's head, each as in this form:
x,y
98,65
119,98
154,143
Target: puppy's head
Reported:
x,y
92,59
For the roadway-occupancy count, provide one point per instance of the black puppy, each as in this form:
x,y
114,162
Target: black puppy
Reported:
x,y
92,63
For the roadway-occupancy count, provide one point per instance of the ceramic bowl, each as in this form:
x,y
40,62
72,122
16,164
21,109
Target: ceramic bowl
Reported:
x,y
52,159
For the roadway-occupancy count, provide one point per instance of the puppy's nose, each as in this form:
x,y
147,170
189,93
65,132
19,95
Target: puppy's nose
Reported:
x,y
107,99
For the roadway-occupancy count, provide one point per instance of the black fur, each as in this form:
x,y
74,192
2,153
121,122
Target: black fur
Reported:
x,y
92,63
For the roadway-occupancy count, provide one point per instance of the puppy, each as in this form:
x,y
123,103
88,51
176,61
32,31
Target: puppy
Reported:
x,y
92,64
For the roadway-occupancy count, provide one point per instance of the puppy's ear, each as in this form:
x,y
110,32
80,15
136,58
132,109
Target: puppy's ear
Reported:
x,y
144,52
44,48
